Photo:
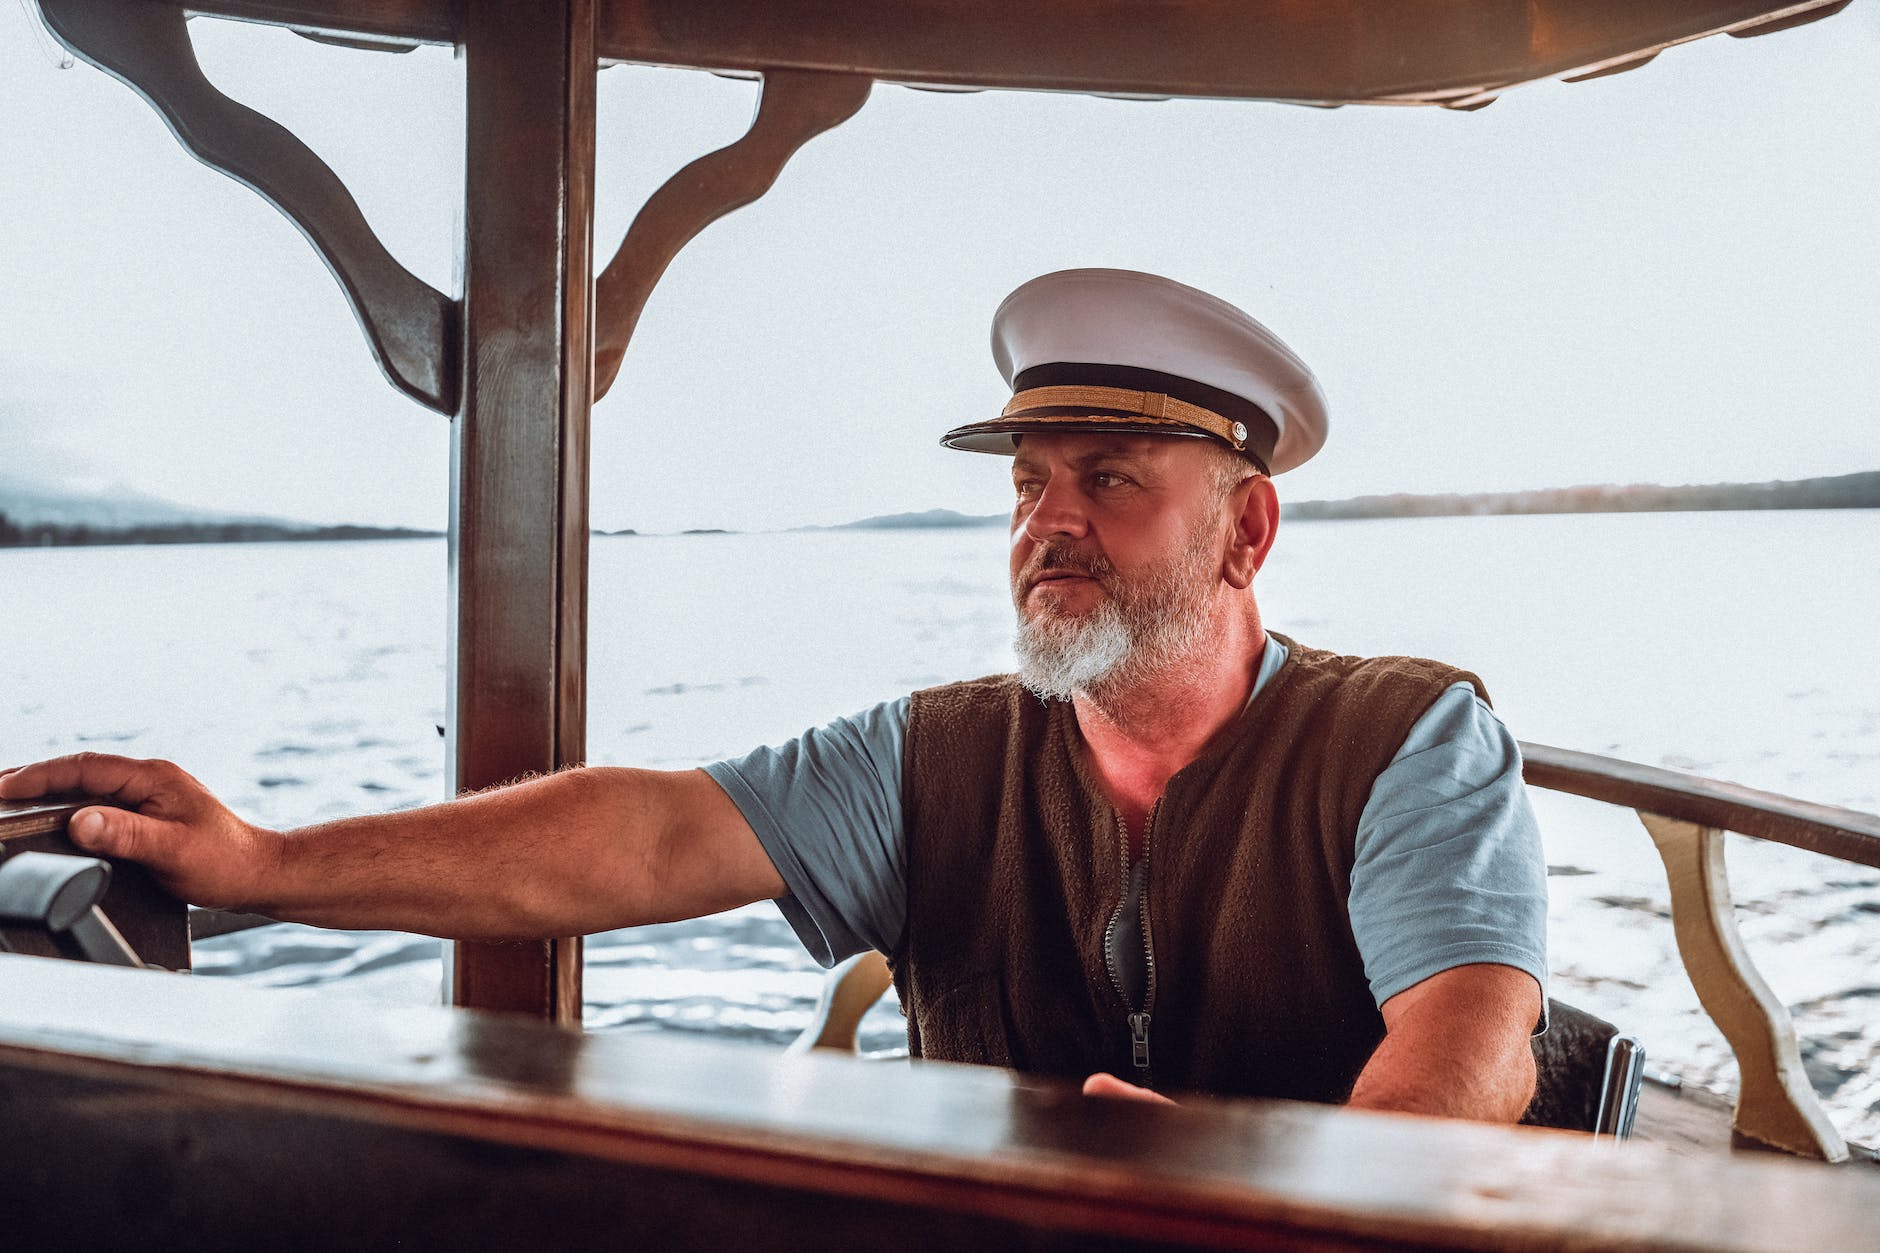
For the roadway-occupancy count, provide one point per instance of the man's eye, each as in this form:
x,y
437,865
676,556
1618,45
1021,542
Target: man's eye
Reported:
x,y
1104,478
1026,488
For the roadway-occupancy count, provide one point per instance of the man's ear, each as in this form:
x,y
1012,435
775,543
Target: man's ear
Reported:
x,y
1253,509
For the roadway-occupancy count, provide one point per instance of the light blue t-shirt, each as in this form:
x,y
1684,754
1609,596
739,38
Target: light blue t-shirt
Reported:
x,y
1448,868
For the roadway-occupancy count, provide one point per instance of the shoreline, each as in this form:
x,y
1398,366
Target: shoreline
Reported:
x,y
1845,491
135,537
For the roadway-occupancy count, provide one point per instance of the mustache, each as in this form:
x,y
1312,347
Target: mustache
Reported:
x,y
1050,558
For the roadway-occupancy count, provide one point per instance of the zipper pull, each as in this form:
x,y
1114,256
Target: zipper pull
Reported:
x,y
1139,1041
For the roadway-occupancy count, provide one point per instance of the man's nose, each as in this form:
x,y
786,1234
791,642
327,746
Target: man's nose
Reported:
x,y
1058,513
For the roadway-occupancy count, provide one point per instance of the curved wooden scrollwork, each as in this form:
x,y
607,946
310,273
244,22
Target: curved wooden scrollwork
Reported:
x,y
796,106
146,46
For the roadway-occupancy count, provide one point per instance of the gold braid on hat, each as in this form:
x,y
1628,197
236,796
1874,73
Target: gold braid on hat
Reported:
x,y
1130,406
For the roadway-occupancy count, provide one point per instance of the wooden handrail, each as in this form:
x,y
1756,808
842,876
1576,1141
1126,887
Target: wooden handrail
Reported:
x,y
1847,834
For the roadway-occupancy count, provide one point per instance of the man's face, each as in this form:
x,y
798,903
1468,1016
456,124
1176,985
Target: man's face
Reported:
x,y
1116,555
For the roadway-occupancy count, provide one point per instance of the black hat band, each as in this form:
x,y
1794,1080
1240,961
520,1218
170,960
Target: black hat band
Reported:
x,y
1134,392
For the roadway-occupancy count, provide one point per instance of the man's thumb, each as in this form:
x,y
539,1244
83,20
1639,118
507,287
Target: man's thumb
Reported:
x,y
108,832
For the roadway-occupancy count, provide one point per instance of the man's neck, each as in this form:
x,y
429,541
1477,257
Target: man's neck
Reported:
x,y
1137,738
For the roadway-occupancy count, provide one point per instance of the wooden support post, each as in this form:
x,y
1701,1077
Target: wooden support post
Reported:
x,y
519,464
1775,1105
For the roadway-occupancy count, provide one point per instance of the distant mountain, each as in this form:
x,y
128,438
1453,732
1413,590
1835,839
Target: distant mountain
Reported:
x,y
32,504
927,518
1841,491
35,516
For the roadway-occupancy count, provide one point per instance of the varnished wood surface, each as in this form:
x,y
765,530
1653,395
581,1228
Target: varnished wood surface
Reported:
x,y
38,817
1692,1122
1325,51
1685,1120
951,1143
519,499
1844,833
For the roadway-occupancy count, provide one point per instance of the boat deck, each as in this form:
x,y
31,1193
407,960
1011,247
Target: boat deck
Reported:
x,y
1693,1122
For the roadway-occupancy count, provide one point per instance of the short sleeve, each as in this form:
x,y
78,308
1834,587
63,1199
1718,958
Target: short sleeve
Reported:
x,y
1448,868
827,808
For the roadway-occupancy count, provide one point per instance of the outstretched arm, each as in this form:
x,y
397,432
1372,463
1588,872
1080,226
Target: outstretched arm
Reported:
x,y
566,854
1456,1045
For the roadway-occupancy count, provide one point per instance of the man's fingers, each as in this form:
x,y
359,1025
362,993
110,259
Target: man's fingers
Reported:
x,y
1111,1086
95,774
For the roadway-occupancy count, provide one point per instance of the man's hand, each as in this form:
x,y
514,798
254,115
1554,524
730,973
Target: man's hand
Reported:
x,y
1456,1045
1111,1086
195,846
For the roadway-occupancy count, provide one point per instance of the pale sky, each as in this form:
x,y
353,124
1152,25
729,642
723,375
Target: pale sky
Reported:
x,y
1671,275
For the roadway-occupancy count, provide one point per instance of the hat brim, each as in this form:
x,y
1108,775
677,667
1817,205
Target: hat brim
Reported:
x,y
1000,435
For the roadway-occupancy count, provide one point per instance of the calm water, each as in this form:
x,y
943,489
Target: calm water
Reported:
x,y
305,682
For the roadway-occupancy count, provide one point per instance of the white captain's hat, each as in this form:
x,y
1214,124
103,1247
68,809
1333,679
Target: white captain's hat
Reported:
x,y
1117,350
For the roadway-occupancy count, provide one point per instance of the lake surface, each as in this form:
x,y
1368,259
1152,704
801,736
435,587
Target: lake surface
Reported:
x,y
306,681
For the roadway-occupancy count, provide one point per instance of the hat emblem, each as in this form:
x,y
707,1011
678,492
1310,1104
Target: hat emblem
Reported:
x,y
1240,432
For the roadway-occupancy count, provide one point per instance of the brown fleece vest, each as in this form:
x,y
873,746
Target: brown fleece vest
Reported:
x,y
1016,865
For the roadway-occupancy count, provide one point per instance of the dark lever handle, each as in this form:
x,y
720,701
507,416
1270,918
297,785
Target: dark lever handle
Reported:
x,y
60,894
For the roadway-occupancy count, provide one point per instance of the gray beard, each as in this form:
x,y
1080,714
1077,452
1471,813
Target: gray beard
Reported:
x,y
1141,629
1061,656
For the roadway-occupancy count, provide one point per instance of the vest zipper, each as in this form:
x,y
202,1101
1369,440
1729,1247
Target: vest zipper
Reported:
x,y
1138,1018
1139,1044
1139,1023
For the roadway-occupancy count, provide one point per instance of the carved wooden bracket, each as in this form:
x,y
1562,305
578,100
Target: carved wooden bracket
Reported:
x,y
1775,1103
795,107
409,323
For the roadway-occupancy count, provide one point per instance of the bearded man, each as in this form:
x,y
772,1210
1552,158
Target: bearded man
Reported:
x,y
1175,852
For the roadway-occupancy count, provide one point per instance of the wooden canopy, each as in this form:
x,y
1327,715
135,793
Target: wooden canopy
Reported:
x,y
1306,51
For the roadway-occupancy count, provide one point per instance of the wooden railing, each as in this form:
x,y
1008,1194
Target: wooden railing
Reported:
x,y
1846,834
1687,818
